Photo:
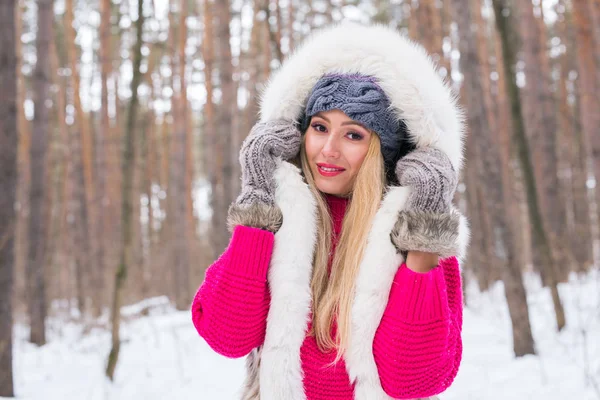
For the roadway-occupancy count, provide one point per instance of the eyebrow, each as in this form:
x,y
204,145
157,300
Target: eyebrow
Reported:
x,y
343,123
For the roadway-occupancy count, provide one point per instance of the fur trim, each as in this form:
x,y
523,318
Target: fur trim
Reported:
x,y
405,72
280,370
428,232
251,389
464,238
373,283
372,288
256,215
430,111
289,282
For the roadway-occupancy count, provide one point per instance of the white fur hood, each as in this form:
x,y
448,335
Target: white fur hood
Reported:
x,y
405,72
428,108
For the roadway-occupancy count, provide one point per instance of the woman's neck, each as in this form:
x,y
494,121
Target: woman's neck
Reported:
x,y
337,207
336,198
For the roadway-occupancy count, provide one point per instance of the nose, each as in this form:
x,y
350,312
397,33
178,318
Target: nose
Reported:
x,y
331,147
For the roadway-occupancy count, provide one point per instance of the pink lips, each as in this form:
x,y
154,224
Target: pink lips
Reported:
x,y
338,170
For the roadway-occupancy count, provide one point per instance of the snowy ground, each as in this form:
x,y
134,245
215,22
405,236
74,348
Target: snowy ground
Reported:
x,y
162,357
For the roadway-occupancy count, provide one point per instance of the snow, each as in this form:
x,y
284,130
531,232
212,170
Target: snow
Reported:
x,y
162,356
568,363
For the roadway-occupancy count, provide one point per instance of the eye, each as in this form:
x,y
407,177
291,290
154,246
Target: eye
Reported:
x,y
319,127
355,136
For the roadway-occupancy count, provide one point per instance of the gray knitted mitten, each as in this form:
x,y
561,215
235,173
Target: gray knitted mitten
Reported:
x,y
428,223
430,175
266,142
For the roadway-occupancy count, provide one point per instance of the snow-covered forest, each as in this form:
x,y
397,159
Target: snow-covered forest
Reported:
x,y
120,127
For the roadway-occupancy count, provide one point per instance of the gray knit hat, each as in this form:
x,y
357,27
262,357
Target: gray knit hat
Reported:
x,y
360,98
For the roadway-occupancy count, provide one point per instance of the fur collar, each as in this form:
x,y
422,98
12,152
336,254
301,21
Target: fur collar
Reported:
x,y
277,364
429,108
289,282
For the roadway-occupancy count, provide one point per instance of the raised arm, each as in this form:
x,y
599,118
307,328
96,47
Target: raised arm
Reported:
x,y
230,308
418,347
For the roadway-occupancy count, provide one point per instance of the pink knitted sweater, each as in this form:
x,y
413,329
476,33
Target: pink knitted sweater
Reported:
x,y
417,346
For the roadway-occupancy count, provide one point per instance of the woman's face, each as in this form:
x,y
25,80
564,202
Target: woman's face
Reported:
x,y
336,147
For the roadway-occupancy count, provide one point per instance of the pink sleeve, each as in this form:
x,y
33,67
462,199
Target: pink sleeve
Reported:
x,y
230,308
418,345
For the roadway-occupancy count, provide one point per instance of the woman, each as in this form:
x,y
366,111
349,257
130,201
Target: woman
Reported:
x,y
341,280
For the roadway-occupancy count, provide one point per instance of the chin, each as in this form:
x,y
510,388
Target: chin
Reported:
x,y
330,188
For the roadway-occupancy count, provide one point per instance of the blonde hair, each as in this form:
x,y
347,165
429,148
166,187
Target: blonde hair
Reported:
x,y
332,295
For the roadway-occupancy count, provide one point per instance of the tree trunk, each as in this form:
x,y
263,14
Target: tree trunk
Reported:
x,y
225,160
8,182
151,166
127,198
412,16
433,35
79,239
505,26
73,243
278,30
62,258
484,61
211,142
482,260
102,144
274,34
113,151
178,180
253,66
24,174
481,255
541,127
588,84
135,272
574,158
504,130
595,14
290,25
147,150
38,212
86,149
495,184
208,128
447,33
174,169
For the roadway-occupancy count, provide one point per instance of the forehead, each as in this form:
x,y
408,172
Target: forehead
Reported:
x,y
338,117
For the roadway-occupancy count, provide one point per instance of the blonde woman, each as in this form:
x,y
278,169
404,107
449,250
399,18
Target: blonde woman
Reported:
x,y
341,279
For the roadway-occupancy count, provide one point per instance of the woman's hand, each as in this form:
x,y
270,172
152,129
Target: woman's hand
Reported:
x,y
255,206
422,262
431,177
428,223
266,142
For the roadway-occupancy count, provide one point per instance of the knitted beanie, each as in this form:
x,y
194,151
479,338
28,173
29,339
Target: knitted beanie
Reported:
x,y
361,99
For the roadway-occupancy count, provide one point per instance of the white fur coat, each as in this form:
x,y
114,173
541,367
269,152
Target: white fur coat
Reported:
x,y
428,107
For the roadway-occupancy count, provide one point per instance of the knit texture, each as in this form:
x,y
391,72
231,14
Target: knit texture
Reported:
x,y
266,142
417,346
361,99
429,173
230,309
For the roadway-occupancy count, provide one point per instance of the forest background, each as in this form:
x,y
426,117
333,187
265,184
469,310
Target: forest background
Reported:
x,y
121,123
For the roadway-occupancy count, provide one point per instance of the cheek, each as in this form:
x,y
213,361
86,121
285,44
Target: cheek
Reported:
x,y
355,157
310,146
313,146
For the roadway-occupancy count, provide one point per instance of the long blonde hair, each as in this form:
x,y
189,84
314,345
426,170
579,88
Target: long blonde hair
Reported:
x,y
332,295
